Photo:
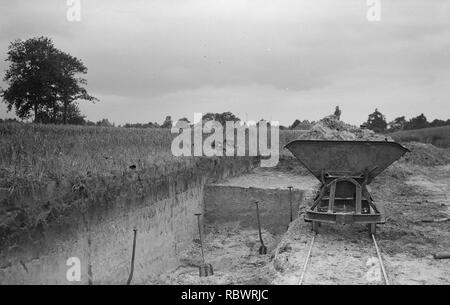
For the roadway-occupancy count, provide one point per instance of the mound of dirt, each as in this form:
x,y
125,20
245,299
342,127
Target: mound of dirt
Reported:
x,y
330,128
426,154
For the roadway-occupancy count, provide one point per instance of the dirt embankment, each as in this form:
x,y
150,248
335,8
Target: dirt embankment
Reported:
x,y
94,220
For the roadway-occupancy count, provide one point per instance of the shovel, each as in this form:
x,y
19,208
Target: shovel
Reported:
x,y
290,204
204,269
130,277
262,248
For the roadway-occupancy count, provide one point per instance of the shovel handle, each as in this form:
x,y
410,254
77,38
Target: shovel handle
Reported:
x,y
259,223
200,235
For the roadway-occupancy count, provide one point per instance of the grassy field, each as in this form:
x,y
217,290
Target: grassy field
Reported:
x,y
38,153
438,136
32,152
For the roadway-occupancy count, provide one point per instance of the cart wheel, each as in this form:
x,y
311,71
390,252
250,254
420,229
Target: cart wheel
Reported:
x,y
315,226
372,228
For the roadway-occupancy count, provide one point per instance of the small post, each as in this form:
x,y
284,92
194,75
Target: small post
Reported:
x,y
290,203
132,257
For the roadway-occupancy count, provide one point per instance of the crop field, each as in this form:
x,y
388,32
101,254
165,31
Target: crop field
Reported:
x,y
37,152
438,136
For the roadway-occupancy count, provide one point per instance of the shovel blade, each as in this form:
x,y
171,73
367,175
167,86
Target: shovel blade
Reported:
x,y
205,270
262,250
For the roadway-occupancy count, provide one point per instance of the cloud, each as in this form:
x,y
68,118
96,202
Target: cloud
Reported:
x,y
155,54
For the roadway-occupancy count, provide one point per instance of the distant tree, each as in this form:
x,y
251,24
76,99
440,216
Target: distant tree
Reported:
x,y
418,122
227,117
437,123
376,122
152,125
139,125
43,81
397,124
167,122
222,118
90,123
104,123
208,116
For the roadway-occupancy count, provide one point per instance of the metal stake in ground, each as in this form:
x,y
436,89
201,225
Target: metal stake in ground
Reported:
x,y
204,269
263,248
290,203
132,258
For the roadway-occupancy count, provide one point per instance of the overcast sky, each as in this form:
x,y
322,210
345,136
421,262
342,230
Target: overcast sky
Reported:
x,y
279,60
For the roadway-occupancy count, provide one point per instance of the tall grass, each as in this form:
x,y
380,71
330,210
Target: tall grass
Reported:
x,y
33,152
38,152
438,136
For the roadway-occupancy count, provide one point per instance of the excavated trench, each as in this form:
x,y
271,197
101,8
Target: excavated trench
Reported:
x,y
341,254
231,240
97,228
93,223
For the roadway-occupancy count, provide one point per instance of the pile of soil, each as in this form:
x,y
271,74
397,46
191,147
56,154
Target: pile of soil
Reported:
x,y
330,128
426,154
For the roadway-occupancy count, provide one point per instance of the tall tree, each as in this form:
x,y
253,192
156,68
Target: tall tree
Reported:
x,y
42,78
418,122
376,121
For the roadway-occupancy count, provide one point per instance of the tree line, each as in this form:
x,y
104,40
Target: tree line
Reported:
x,y
377,122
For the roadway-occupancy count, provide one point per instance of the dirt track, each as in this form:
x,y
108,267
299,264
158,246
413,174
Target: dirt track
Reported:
x,y
407,240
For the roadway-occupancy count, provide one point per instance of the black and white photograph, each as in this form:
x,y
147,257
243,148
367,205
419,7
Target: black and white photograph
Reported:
x,y
219,149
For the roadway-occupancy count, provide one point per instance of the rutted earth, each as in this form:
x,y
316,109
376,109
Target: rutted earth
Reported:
x,y
411,196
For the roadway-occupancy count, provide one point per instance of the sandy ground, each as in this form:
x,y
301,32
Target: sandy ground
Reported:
x,y
345,254
270,179
232,252
407,241
341,254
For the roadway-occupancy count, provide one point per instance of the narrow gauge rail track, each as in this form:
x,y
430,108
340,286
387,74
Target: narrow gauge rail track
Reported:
x,y
308,256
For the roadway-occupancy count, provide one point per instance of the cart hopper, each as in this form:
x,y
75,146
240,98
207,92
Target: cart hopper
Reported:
x,y
345,168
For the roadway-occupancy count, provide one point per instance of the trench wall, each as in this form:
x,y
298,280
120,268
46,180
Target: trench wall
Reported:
x,y
225,203
97,226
